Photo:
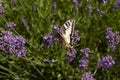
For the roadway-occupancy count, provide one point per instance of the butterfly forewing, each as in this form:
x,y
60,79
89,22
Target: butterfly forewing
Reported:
x,y
67,30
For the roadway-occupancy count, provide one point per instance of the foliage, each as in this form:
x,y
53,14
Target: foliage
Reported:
x,y
40,21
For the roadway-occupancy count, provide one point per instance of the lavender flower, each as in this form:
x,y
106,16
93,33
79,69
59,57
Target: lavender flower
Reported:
x,y
33,7
116,4
70,55
12,44
100,12
10,25
56,28
75,37
85,52
48,40
20,42
108,31
75,4
52,60
50,37
112,38
103,1
53,7
24,22
55,33
88,76
46,60
49,60
76,33
13,2
105,62
21,52
83,63
1,9
90,8
17,77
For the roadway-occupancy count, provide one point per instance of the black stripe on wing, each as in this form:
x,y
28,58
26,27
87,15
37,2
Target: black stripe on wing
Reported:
x,y
69,24
72,33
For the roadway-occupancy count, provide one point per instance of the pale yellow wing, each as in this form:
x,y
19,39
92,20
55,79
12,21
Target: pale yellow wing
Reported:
x,y
67,30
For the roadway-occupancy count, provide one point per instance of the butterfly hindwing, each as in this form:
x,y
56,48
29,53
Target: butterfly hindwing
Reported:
x,y
67,30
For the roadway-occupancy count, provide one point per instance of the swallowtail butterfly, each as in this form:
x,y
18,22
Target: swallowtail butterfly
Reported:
x,y
66,33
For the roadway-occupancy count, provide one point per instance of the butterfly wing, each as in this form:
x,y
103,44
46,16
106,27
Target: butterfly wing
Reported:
x,y
66,32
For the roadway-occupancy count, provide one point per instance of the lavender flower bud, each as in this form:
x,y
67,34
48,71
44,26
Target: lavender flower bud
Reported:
x,y
34,7
112,38
85,52
88,76
53,7
12,44
24,22
100,12
48,40
83,63
50,60
90,8
20,42
45,60
75,37
56,28
71,55
10,25
55,33
103,1
75,4
1,9
116,4
105,62
76,33
21,52
13,2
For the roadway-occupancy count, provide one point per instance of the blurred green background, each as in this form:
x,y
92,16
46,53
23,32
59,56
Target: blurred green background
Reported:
x,y
41,20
